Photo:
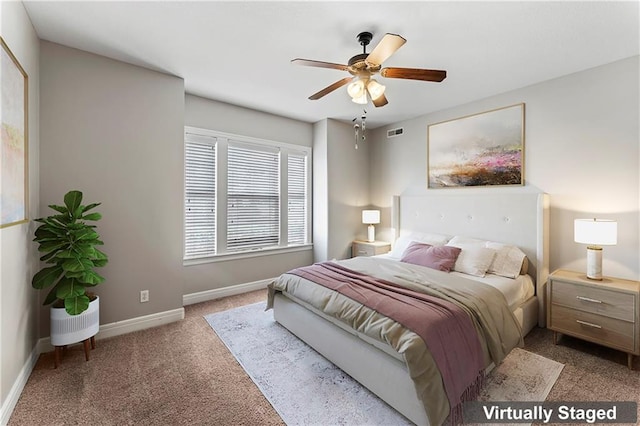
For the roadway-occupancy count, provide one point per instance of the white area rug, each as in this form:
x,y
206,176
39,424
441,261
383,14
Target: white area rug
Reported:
x,y
306,389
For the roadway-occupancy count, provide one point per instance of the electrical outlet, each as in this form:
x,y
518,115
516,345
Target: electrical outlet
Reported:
x,y
144,296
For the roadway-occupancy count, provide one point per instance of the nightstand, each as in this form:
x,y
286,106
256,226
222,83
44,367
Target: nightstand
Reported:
x,y
605,312
365,248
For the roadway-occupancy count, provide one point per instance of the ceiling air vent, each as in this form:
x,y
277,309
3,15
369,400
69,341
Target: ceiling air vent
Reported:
x,y
392,133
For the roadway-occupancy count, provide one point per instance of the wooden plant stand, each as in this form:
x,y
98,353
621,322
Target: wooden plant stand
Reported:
x,y
61,349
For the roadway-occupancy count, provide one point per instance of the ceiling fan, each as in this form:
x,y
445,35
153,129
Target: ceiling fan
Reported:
x,y
364,66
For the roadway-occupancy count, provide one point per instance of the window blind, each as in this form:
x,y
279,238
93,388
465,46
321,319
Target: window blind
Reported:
x,y
297,200
253,197
200,196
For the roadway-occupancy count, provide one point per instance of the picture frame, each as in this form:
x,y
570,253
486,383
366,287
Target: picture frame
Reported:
x,y
481,149
14,140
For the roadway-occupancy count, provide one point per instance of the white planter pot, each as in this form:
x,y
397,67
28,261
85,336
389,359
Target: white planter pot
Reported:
x,y
67,329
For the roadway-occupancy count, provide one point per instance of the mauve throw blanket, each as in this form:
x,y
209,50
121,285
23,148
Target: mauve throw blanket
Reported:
x,y
446,329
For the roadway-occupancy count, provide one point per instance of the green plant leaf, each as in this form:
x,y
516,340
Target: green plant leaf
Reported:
x,y
61,209
46,277
90,206
77,275
91,278
51,297
67,254
98,255
92,216
87,234
48,246
48,256
46,240
72,200
64,219
77,265
77,213
54,223
44,232
69,287
76,305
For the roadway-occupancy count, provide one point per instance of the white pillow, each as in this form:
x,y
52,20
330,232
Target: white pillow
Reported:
x,y
508,260
405,239
475,258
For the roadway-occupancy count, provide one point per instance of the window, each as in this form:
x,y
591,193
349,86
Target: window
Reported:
x,y
297,198
200,196
253,197
243,194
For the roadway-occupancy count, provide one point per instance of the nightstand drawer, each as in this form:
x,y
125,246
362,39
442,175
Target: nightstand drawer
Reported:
x,y
362,250
605,302
596,328
369,248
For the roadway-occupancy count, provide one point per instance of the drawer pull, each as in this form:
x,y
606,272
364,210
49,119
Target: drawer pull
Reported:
x,y
588,324
587,299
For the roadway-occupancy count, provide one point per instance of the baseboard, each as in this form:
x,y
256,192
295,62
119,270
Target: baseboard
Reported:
x,y
217,293
126,326
16,390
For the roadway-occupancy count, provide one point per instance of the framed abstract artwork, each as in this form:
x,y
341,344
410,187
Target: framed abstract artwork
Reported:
x,y
14,140
477,150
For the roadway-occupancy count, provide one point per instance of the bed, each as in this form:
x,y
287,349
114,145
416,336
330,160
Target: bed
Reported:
x,y
514,218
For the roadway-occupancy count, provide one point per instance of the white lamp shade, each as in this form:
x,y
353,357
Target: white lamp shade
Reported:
x,y
356,89
375,89
370,216
361,100
598,232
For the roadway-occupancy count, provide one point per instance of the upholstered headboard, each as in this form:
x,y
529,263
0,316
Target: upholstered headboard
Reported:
x,y
520,219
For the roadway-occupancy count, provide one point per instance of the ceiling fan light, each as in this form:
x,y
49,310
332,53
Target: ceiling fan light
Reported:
x,y
375,89
356,89
362,100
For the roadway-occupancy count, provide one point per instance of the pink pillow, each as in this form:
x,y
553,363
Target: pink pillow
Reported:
x,y
441,258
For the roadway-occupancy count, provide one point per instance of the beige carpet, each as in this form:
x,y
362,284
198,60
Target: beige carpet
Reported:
x,y
181,374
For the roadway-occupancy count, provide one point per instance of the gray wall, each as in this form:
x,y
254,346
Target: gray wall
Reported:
x,y
134,155
320,191
115,132
19,256
341,188
581,147
219,116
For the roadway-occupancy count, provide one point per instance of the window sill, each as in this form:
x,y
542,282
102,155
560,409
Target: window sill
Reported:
x,y
246,255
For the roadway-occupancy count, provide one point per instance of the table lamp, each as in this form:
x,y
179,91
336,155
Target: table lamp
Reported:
x,y
370,217
595,233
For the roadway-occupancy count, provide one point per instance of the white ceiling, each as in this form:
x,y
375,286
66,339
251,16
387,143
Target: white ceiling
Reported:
x,y
240,52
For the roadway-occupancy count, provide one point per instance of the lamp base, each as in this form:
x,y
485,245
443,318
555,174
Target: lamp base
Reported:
x,y
594,263
371,233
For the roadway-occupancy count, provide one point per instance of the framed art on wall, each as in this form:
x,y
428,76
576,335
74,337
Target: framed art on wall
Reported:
x,y
477,150
14,140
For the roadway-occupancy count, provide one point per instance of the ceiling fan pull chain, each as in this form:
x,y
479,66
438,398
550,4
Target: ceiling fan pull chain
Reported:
x,y
356,135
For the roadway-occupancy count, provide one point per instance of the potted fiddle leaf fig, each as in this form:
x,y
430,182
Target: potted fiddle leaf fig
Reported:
x,y
69,243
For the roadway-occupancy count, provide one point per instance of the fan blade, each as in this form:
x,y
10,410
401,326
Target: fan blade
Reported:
x,y
330,88
380,101
414,74
387,47
319,64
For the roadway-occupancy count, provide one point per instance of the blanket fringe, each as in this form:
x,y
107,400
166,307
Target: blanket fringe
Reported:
x,y
471,393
